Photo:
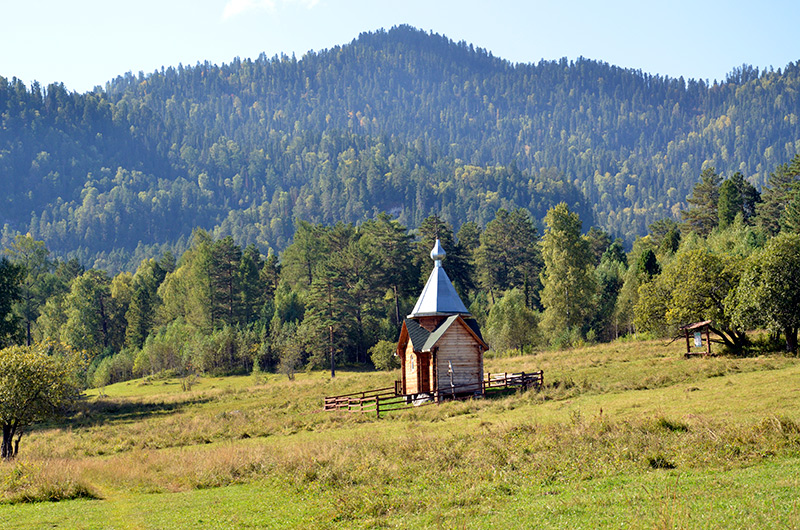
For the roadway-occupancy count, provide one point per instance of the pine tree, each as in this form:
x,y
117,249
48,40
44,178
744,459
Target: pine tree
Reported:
x,y
32,256
457,264
328,321
389,245
10,278
224,280
777,195
251,293
702,216
737,197
509,255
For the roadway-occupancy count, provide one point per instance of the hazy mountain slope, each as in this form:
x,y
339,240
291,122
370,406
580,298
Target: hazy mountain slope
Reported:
x,y
402,120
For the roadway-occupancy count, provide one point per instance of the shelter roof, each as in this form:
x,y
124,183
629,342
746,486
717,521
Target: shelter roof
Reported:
x,y
424,340
689,327
417,334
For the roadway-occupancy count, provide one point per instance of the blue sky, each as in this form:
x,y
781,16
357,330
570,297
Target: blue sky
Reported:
x,y
84,43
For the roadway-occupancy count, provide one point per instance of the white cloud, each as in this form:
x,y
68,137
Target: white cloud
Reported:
x,y
237,7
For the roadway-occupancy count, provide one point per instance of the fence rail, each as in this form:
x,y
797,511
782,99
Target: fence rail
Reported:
x,y
391,398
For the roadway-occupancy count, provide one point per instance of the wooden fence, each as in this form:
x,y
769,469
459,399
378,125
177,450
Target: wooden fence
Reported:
x,y
391,398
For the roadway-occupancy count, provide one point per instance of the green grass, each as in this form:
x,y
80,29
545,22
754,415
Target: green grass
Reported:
x,y
628,434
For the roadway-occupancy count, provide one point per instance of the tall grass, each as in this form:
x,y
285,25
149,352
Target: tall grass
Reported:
x,y
461,457
498,456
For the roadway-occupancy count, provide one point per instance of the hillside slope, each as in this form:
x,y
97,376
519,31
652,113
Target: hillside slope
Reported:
x,y
627,431
401,121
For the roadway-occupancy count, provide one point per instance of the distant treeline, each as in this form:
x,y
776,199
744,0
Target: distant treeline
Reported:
x,y
343,289
401,121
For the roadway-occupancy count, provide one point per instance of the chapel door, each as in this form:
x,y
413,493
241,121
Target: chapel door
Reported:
x,y
424,372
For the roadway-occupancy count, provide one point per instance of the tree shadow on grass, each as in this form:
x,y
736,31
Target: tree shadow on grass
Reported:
x,y
111,410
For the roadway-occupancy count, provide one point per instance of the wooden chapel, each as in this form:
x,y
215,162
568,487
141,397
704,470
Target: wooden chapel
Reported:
x,y
440,346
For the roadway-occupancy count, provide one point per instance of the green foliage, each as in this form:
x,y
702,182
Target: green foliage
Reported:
x,y
599,241
769,291
738,239
697,285
509,256
777,196
512,325
88,307
665,235
10,278
737,197
567,277
615,253
383,355
168,349
647,266
457,262
37,283
300,259
402,121
36,383
610,277
288,343
790,218
144,303
113,369
702,215
389,246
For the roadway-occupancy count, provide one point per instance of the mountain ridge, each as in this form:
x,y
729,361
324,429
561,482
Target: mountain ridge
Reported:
x,y
399,120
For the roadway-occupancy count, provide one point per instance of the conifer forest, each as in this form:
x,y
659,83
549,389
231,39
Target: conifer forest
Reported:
x,y
256,215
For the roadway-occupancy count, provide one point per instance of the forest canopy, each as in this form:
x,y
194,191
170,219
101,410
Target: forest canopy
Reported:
x,y
401,121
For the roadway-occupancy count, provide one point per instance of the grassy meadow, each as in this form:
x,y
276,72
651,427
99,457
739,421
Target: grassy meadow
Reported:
x,y
624,435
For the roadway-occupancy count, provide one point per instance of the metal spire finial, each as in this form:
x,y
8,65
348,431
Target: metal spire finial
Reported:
x,y
438,253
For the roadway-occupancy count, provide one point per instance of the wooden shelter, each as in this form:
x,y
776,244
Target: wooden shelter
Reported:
x,y
694,338
440,346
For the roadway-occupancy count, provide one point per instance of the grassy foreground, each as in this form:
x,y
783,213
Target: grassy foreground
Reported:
x,y
626,435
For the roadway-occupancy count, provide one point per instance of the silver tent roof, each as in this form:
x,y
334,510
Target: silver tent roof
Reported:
x,y
439,296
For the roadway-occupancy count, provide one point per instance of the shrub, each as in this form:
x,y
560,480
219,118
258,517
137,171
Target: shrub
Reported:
x,y
383,355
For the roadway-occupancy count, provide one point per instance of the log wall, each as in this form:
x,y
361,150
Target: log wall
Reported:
x,y
410,370
458,348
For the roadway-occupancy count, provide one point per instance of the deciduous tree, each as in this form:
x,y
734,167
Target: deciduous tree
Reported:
x,y
695,286
512,325
769,291
36,383
567,277
89,313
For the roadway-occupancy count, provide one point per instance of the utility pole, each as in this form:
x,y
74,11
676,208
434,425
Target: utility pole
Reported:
x,y
333,365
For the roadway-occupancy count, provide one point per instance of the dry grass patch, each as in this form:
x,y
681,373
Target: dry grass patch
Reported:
x,y
43,480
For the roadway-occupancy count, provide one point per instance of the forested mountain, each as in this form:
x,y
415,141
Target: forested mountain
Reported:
x,y
401,121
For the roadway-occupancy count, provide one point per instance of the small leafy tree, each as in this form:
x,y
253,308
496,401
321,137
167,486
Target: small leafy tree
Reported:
x,y
511,324
383,355
36,383
694,286
769,290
